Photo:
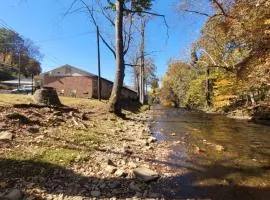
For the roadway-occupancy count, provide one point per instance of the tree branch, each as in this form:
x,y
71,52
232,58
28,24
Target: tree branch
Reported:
x,y
220,7
129,35
96,25
150,13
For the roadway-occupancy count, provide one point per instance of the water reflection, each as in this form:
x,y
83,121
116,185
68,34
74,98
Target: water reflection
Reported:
x,y
244,162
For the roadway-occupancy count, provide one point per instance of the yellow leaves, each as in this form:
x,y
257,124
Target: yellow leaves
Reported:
x,y
223,83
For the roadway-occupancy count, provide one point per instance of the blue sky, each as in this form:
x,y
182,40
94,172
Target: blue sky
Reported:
x,y
72,40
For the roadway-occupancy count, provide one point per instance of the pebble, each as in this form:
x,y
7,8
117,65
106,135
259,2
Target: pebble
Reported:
x,y
5,135
95,193
14,194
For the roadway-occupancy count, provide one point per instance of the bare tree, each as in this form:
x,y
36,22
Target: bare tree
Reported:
x,y
122,9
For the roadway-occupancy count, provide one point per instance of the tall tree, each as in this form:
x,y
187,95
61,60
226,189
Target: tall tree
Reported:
x,y
122,9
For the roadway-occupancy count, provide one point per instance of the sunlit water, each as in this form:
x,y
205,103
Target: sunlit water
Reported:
x,y
240,171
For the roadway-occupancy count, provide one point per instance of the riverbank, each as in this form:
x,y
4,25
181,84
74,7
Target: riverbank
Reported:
x,y
77,152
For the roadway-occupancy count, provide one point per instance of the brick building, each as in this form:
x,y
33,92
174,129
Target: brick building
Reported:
x,y
74,82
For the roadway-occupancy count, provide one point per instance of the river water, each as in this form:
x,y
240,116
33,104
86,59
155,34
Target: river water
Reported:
x,y
216,157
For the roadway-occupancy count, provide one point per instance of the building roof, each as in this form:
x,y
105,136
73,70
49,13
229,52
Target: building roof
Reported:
x,y
79,71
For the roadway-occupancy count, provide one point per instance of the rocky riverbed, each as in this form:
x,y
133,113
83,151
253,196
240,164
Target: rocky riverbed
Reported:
x,y
78,153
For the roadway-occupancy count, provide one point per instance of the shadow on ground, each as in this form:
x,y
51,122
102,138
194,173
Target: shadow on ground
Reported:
x,y
54,179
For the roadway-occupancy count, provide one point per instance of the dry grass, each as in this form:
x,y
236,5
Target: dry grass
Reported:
x,y
64,143
11,99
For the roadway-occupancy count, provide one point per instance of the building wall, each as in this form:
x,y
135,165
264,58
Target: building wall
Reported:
x,y
80,86
106,89
84,87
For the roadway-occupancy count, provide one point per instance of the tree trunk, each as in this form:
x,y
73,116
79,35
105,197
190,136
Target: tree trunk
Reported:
x,y
208,89
114,102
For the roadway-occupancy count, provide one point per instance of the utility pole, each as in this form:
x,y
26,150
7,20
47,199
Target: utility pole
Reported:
x,y
19,75
99,78
142,84
32,84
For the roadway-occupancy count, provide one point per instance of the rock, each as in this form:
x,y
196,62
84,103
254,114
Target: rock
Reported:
x,y
153,195
219,147
145,193
113,184
14,194
21,118
33,129
30,198
196,150
5,135
134,186
40,137
120,173
110,162
148,148
132,165
85,116
127,150
152,139
95,193
111,169
145,174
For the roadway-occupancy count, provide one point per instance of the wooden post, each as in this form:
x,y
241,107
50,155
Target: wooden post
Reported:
x,y
99,78
19,75
142,72
32,84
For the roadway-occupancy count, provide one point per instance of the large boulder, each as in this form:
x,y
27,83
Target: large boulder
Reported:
x,y
145,174
47,96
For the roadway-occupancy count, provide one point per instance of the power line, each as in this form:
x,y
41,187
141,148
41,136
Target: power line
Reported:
x,y
66,37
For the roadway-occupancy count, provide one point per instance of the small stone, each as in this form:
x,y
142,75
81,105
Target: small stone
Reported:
x,y
145,193
33,129
153,195
132,165
219,148
14,195
95,193
111,169
5,135
196,150
31,198
145,174
152,139
110,162
149,148
113,184
41,137
134,186
120,173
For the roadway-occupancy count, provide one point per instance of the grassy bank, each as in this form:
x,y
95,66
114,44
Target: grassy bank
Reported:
x,y
78,152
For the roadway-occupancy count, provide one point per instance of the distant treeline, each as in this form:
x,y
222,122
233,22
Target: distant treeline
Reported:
x,y
229,65
17,54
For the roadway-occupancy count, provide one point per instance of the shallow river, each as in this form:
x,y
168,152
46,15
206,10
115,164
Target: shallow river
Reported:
x,y
216,157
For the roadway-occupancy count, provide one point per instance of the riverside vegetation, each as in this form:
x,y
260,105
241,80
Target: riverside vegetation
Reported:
x,y
228,70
